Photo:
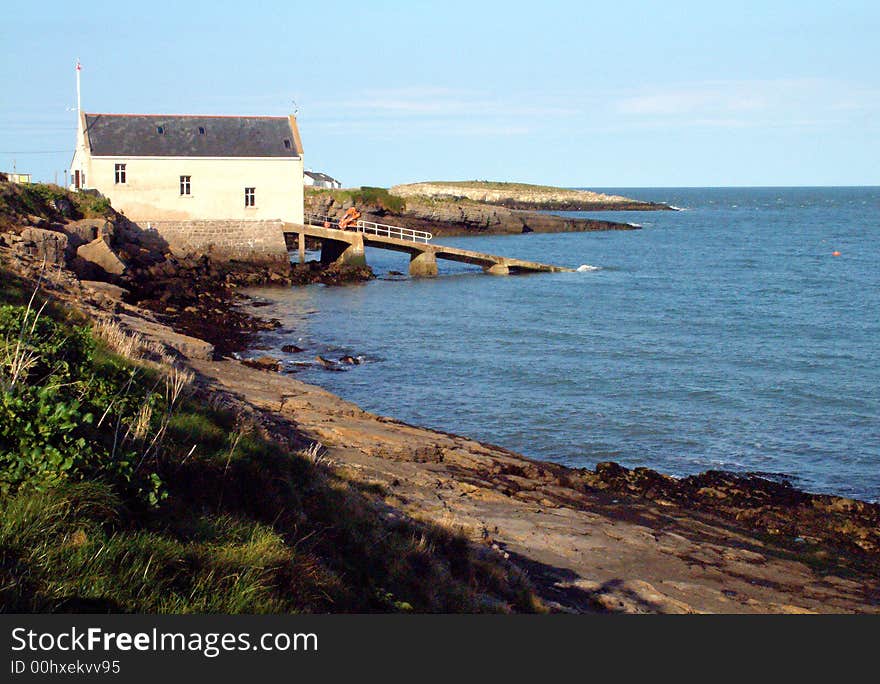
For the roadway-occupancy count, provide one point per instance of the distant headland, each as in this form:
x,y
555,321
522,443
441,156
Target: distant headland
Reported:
x,y
525,196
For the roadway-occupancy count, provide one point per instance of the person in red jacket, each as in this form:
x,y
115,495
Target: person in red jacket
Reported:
x,y
350,217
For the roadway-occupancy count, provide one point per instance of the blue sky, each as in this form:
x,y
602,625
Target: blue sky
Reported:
x,y
569,93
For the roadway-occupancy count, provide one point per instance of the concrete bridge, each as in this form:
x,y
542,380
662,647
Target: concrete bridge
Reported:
x,y
347,247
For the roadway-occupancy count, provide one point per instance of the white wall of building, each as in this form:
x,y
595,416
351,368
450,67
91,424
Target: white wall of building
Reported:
x,y
217,191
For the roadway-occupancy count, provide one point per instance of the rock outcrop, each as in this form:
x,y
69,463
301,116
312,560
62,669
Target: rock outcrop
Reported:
x,y
98,254
460,217
41,244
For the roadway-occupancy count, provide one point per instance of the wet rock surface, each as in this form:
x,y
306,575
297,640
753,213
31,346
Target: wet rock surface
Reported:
x,y
313,272
264,363
846,528
200,298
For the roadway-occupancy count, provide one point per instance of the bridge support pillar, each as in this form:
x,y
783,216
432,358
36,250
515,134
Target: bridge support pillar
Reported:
x,y
344,253
423,264
497,269
302,247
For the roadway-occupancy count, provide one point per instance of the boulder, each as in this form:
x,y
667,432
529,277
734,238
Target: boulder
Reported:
x,y
112,292
328,364
291,349
98,253
42,244
266,363
190,347
87,230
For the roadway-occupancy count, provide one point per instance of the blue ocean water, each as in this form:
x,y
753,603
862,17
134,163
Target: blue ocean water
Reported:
x,y
723,336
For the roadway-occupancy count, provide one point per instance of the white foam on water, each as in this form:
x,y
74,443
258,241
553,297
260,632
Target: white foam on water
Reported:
x,y
583,268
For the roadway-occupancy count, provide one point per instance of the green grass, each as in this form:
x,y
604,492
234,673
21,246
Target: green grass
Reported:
x,y
247,524
39,199
365,195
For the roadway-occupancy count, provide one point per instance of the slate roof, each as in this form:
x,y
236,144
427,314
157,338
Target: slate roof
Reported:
x,y
137,135
318,176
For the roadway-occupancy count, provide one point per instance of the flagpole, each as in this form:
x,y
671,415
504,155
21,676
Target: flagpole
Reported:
x,y
80,133
78,97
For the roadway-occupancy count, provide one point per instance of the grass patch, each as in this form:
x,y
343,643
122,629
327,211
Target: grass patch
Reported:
x,y
364,195
49,201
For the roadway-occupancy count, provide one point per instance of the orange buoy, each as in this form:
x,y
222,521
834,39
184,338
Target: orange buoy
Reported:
x,y
835,253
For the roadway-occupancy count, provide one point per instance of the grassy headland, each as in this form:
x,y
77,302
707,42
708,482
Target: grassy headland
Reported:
x,y
523,196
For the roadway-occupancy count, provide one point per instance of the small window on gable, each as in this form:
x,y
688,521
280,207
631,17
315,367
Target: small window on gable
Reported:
x,y
250,197
201,130
160,130
120,173
286,143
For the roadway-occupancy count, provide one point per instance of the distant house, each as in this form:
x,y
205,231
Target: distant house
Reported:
x,y
316,179
187,167
21,178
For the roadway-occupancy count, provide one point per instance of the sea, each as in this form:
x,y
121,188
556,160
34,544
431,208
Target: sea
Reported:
x,y
741,333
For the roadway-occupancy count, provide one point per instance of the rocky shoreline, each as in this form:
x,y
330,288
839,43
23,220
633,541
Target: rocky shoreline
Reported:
x,y
607,540
604,540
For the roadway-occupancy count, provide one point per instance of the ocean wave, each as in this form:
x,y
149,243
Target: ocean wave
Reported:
x,y
583,268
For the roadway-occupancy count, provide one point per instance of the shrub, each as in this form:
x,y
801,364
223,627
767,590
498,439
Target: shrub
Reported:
x,y
364,197
70,411
381,196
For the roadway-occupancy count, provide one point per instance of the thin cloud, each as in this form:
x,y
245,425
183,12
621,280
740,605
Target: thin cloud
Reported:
x,y
742,104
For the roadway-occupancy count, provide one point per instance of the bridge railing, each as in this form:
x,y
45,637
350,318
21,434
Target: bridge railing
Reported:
x,y
321,220
370,227
393,231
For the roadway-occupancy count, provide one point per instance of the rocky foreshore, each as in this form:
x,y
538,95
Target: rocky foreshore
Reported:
x,y
196,295
604,540
609,539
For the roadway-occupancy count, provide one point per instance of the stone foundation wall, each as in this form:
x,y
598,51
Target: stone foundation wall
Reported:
x,y
224,240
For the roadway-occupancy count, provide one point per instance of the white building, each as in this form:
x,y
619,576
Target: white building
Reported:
x,y
316,179
188,167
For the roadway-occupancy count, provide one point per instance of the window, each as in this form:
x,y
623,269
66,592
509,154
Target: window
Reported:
x,y
286,143
185,185
120,173
160,130
250,197
201,130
